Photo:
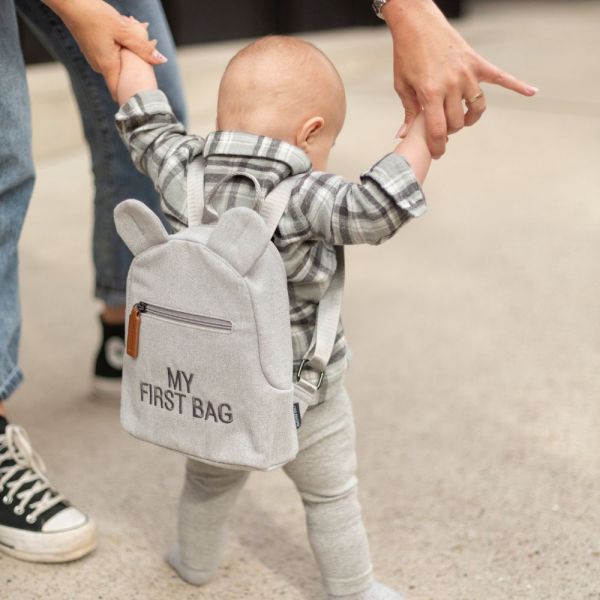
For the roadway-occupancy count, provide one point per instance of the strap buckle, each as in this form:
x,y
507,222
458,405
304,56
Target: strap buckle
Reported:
x,y
299,373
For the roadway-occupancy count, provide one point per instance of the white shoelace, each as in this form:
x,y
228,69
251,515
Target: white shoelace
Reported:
x,y
15,446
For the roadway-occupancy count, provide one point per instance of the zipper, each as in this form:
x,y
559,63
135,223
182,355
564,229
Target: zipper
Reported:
x,y
135,321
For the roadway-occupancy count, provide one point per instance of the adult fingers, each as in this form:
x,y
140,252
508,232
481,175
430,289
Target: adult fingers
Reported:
x,y
435,124
412,108
131,39
145,24
491,74
476,105
455,112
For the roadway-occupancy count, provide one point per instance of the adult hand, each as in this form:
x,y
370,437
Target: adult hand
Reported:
x,y
435,70
100,32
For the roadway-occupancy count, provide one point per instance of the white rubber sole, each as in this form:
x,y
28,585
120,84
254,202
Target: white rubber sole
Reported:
x,y
104,388
63,546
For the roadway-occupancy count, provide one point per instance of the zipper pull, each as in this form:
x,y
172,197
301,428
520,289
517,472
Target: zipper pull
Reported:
x,y
133,329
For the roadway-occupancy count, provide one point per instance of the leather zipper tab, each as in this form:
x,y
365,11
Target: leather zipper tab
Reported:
x,y
133,331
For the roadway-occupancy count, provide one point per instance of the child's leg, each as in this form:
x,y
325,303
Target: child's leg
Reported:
x,y
325,474
208,495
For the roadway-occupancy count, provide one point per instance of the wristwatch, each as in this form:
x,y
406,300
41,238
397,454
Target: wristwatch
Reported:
x,y
378,6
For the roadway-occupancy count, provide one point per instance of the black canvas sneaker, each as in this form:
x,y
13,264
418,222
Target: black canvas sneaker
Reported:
x,y
36,522
109,362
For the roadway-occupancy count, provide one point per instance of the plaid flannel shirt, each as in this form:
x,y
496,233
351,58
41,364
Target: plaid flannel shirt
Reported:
x,y
324,210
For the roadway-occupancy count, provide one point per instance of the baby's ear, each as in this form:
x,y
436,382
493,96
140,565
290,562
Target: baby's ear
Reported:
x,y
308,130
138,226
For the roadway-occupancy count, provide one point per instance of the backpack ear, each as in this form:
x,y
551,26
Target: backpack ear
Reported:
x,y
240,237
138,226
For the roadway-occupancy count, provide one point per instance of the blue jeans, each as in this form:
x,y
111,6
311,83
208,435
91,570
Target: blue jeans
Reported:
x,y
115,176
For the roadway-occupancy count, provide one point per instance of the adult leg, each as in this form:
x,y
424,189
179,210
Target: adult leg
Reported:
x,y
208,495
16,185
36,522
325,474
115,177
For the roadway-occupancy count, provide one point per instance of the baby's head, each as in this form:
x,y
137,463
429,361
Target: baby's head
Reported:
x,y
284,88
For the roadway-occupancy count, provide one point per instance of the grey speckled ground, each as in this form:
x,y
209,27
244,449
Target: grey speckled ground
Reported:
x,y
476,344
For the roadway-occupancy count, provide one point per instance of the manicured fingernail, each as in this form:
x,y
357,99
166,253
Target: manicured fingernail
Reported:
x,y
533,90
160,57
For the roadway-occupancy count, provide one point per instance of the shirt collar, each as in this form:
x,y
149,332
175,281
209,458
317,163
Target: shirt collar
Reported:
x,y
239,143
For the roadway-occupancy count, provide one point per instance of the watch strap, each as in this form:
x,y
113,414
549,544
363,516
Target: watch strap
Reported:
x,y
378,7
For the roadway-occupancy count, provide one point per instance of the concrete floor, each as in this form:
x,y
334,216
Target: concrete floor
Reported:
x,y
475,376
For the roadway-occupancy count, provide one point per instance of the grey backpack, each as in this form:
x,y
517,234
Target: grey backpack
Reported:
x,y
208,369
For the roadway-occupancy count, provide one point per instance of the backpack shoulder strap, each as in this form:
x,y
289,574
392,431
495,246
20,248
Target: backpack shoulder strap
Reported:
x,y
195,191
330,306
274,205
328,318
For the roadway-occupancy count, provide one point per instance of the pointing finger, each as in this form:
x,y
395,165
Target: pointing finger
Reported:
x,y
492,74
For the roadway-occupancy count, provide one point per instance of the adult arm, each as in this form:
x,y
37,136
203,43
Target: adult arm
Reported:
x,y
435,69
100,32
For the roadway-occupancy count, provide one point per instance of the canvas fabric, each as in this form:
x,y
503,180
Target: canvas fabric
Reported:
x,y
209,367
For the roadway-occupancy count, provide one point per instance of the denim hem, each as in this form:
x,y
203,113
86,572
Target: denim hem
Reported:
x,y
110,296
15,377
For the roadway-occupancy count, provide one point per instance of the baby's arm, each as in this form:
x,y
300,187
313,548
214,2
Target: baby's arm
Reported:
x,y
136,76
327,207
158,143
388,196
160,147
415,150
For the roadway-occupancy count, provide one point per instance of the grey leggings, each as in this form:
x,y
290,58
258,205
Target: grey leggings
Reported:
x,y
324,473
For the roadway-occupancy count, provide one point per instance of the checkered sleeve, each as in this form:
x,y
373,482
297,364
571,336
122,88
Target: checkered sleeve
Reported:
x,y
331,209
159,146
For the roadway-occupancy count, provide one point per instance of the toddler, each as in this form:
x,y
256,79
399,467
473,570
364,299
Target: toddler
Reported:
x,y
281,106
